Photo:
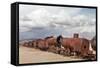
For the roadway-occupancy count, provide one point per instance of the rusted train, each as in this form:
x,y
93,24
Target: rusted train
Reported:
x,y
69,46
93,43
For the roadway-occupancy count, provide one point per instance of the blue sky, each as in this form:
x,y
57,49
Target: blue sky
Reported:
x,y
42,21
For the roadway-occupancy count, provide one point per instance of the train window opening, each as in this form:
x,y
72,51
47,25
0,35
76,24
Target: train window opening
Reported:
x,y
84,47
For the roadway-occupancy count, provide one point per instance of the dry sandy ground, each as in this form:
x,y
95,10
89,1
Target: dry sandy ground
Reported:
x,y
31,55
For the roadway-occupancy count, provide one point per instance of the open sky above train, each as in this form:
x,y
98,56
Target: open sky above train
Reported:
x,y
37,21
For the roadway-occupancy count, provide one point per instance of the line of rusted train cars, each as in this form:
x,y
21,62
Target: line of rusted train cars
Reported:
x,y
70,46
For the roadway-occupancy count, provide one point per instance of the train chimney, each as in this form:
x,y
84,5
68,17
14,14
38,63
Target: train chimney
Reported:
x,y
76,35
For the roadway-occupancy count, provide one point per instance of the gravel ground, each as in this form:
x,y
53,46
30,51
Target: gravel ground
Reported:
x,y
31,55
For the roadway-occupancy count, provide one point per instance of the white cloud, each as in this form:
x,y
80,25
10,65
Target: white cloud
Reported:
x,y
70,20
46,16
81,29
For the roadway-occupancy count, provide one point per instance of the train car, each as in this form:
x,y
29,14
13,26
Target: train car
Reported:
x,y
30,44
51,41
76,45
79,45
34,43
42,44
93,43
25,44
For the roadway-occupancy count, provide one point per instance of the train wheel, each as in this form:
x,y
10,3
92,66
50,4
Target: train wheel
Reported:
x,y
62,52
73,53
68,52
26,44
